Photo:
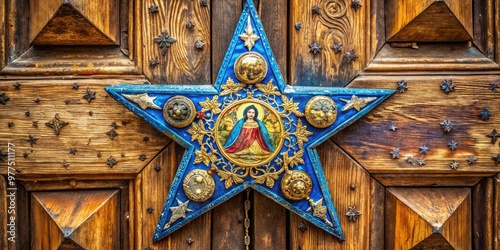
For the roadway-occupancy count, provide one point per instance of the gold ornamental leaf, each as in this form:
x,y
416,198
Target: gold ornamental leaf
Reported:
x,y
290,106
197,131
260,179
268,89
229,178
211,105
203,156
301,133
270,178
295,160
231,87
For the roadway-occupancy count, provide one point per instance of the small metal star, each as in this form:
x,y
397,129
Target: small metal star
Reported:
x,y
353,213
395,153
424,149
32,140
402,86
99,154
315,9
178,212
4,98
356,4
27,113
314,47
25,154
122,155
89,95
485,114
35,123
75,86
10,124
17,85
249,36
164,41
447,85
410,159
124,123
493,86
153,8
111,161
157,168
447,125
199,44
145,139
350,56
149,209
114,125
454,165
189,241
112,133
153,63
142,157
302,226
91,113
392,126
421,161
56,124
452,145
496,159
356,102
471,160
143,100
3,155
36,100
72,151
494,136
204,3
190,25
298,26
337,47
65,164
67,101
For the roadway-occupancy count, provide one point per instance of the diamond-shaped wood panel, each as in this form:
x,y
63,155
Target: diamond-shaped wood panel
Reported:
x,y
428,218
429,21
74,22
75,219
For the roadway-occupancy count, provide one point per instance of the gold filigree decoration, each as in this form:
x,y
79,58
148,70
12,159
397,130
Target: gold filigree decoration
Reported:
x,y
211,105
294,160
197,131
230,178
231,87
301,133
268,89
203,156
290,106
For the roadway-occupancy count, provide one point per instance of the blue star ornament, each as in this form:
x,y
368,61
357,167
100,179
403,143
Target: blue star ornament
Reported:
x,y
248,130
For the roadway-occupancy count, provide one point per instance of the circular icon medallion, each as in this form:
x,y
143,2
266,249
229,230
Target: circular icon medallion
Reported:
x,y
250,68
321,111
179,111
296,185
249,133
198,185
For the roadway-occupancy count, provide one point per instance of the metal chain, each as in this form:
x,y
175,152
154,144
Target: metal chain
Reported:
x,y
247,220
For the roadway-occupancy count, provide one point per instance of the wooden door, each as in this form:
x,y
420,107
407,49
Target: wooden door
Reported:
x,y
80,171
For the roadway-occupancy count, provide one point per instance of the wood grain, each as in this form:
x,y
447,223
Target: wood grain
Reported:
x,y
496,210
418,113
84,132
4,218
152,189
340,175
483,214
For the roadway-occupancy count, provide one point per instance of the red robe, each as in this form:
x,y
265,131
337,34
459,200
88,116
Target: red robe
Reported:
x,y
246,138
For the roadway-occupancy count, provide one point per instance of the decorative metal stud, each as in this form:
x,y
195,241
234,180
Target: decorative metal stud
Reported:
x,y
352,186
204,3
190,25
471,159
198,185
302,226
142,157
17,85
35,123
321,111
421,161
99,154
402,86
157,168
91,113
143,100
112,133
353,213
496,159
145,139
153,63
25,154
89,95
153,8
395,153
65,164
114,125
350,56
447,126
337,47
179,111
356,4
75,86
32,140
4,98
27,113
494,136
356,103
410,159
56,124
164,41
314,47
72,151
454,165
493,86
10,124
392,126
189,241
452,145
298,26
122,155
150,210
67,101
124,123
111,161
296,185
199,44
3,155
36,100
485,114
424,149
447,85
315,9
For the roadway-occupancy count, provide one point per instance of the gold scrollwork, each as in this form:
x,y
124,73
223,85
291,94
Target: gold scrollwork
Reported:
x,y
198,185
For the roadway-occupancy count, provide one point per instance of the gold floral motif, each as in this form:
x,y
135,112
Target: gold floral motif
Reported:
x,y
197,131
230,178
231,87
203,156
268,89
211,105
290,106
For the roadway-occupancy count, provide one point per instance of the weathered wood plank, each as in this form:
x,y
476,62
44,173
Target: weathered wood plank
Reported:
x,y
484,23
496,210
482,217
3,30
497,34
182,63
84,132
417,113
349,185
336,21
411,179
228,219
269,223
152,189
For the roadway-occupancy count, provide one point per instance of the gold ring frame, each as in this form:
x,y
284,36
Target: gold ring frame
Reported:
x,y
179,111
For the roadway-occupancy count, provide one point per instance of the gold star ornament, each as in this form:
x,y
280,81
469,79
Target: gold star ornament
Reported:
x,y
356,102
249,36
143,100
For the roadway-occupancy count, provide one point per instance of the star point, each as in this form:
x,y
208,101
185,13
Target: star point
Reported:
x,y
143,100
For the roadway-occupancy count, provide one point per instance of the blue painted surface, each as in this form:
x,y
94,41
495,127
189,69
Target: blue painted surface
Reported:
x,y
198,94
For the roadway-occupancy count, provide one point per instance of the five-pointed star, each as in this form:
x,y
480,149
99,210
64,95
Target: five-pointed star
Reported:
x,y
209,174
143,100
356,102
